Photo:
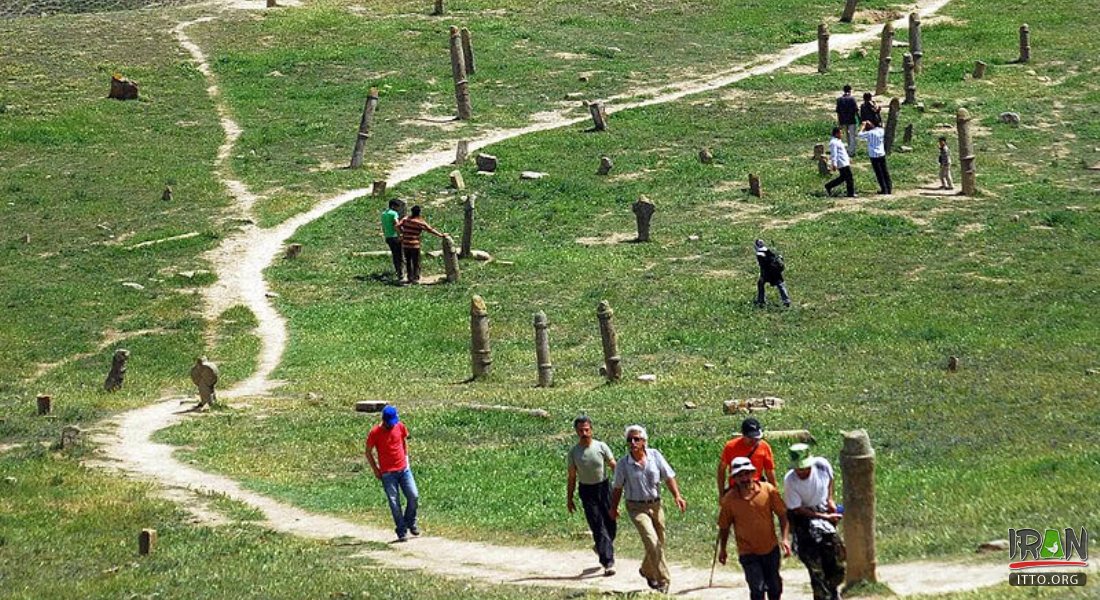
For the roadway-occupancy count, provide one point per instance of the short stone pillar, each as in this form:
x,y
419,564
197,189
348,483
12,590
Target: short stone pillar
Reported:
x,y
71,435
467,227
886,46
205,377
486,162
364,128
606,165
293,251
822,48
915,44
118,370
378,188
166,195
450,259
122,88
458,72
480,355
857,466
457,183
612,362
979,69
891,125
907,137
147,541
643,214
706,156
821,160
44,404
599,116
966,153
849,11
910,79
467,51
542,350
754,185
462,151
438,10
1025,44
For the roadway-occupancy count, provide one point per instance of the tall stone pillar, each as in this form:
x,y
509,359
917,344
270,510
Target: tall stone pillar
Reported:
x,y
910,79
467,51
886,46
891,125
857,465
1025,44
966,153
480,355
467,226
364,129
458,72
849,11
915,44
542,350
822,48
450,259
612,362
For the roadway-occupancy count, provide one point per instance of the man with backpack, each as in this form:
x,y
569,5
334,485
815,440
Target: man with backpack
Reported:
x,y
771,272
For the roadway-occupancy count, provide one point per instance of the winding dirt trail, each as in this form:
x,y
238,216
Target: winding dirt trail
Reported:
x,y
239,263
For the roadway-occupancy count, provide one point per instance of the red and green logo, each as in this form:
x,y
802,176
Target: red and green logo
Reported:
x,y
1030,548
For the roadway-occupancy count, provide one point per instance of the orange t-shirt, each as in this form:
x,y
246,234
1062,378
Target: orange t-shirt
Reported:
x,y
762,459
753,524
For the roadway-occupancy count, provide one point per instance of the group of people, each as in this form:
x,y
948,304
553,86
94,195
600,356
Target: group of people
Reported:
x,y
403,238
862,122
749,502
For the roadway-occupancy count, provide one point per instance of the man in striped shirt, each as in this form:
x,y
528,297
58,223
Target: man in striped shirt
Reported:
x,y
410,228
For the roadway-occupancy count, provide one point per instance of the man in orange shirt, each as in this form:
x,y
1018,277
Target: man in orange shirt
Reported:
x,y
748,506
752,446
410,228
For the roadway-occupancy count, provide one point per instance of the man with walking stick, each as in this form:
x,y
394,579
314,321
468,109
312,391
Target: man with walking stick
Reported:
x,y
748,506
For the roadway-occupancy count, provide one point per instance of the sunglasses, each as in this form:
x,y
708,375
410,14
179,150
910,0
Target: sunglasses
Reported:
x,y
635,439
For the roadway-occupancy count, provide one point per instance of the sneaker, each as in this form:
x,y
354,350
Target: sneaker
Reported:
x,y
414,530
609,569
402,538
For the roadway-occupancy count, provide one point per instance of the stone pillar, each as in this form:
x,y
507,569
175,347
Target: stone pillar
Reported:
x,y
706,156
910,79
480,355
467,227
458,72
457,182
462,151
205,376
849,11
754,186
486,162
966,153
542,350
364,129
822,48
891,125
612,362
44,404
118,370
907,137
643,213
979,69
821,160
599,116
166,195
271,4
467,51
450,259
438,11
605,165
378,188
885,47
71,435
1025,44
147,541
915,44
292,251
857,466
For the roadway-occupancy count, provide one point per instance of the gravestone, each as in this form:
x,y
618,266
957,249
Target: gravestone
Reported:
x,y
467,227
643,213
891,125
118,370
915,43
886,46
467,51
462,151
486,163
292,251
822,48
458,72
849,11
457,182
979,69
204,374
605,165
1025,44
857,467
754,186
599,116
612,361
122,88
378,188
450,259
364,129
480,354
44,404
542,350
910,79
966,153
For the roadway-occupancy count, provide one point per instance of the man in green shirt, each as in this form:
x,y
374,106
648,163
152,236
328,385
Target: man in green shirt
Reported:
x,y
586,462
389,231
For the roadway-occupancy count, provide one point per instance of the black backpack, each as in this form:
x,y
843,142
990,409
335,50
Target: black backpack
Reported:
x,y
777,262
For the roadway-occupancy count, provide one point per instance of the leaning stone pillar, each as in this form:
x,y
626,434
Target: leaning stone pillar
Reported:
x,y
542,350
118,371
599,116
480,355
1025,44
857,465
450,259
909,65
849,11
643,213
891,125
467,227
822,48
885,47
458,72
467,50
364,129
915,44
966,153
612,362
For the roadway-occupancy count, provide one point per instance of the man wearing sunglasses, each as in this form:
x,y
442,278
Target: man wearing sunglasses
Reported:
x,y
638,476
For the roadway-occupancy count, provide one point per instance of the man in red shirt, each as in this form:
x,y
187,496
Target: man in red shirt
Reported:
x,y
390,441
749,445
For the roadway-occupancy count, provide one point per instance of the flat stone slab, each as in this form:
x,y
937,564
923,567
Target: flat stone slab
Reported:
x,y
370,406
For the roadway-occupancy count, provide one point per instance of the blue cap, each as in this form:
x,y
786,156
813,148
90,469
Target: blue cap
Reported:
x,y
389,415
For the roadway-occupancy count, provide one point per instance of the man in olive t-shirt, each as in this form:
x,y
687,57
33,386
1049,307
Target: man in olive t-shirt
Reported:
x,y
586,462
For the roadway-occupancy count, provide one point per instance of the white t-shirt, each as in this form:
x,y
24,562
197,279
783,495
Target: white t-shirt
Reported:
x,y
838,153
811,491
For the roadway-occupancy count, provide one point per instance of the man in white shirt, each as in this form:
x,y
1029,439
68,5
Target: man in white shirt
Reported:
x,y
808,494
875,137
838,158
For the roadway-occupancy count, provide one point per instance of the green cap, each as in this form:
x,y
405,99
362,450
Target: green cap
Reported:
x,y
801,457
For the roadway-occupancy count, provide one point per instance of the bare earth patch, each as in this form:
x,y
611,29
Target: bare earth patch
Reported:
x,y
614,238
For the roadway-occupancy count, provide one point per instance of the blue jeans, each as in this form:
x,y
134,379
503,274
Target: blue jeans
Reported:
x,y
392,482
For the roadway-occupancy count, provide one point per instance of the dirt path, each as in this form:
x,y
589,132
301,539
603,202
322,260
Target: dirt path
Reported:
x,y
239,263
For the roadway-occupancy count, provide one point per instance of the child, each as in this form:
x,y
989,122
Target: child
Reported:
x,y
945,166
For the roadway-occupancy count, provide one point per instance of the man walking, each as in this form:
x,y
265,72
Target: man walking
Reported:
x,y
838,158
808,491
390,441
411,227
847,112
771,272
638,476
749,507
586,461
875,137
390,216
750,445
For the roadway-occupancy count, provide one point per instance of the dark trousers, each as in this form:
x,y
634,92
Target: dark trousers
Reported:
x,y
762,574
395,252
882,174
596,500
825,562
783,295
844,175
412,263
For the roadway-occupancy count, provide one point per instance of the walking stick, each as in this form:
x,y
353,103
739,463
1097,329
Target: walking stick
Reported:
x,y
714,561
